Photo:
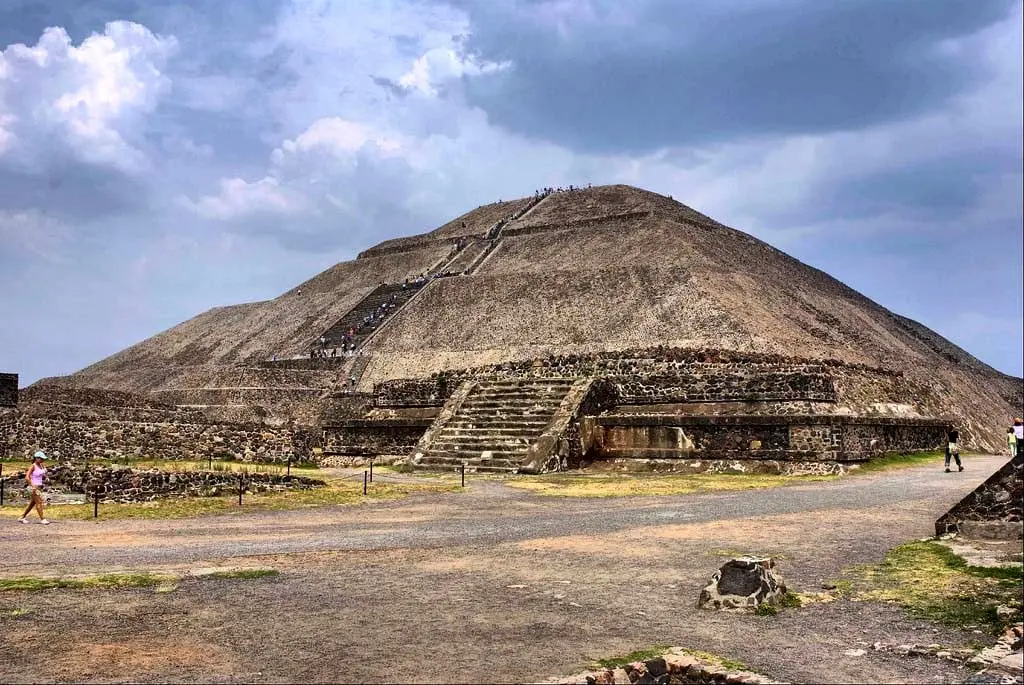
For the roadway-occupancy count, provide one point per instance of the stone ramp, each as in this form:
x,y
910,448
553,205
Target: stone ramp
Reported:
x,y
491,425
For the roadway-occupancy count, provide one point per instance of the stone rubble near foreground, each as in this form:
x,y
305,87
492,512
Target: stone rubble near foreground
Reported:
x,y
675,666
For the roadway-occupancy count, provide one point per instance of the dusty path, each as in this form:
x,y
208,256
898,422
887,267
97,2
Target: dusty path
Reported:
x,y
490,584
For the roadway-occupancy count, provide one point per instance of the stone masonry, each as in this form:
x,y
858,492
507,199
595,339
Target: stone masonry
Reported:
x,y
123,484
995,504
8,390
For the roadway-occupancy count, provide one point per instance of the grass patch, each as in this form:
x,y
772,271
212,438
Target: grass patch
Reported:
x,y
714,659
245,574
891,461
639,655
19,613
629,485
788,600
933,583
109,580
336,492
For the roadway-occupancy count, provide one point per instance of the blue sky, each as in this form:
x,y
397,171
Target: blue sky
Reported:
x,y
160,158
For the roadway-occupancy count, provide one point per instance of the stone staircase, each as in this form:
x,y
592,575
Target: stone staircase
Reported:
x,y
383,302
492,425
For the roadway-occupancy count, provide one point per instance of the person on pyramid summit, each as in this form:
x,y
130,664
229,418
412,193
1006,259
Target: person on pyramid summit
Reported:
x,y
34,477
953,449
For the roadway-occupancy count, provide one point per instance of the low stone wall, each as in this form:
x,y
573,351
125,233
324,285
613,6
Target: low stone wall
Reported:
x,y
369,437
123,484
110,433
800,438
8,389
999,500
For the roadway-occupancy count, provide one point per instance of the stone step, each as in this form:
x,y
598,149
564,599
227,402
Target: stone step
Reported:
x,y
469,468
439,460
522,425
526,382
483,442
476,434
554,399
475,454
468,428
498,405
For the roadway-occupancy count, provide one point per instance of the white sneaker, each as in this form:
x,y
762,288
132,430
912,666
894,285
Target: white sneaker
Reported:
x,y
21,520
45,522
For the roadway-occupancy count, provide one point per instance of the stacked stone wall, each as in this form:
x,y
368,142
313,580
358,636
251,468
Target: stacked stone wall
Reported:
x,y
373,438
123,484
139,433
8,390
10,435
801,438
999,500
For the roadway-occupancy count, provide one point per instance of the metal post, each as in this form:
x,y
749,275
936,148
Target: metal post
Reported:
x,y
240,481
289,472
96,504
462,471
371,469
364,482
1,485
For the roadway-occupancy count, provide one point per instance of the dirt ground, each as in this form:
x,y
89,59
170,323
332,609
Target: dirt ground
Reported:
x,y
489,585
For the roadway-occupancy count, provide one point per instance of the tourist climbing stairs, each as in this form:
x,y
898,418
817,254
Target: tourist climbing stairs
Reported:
x,y
494,426
367,316
493,238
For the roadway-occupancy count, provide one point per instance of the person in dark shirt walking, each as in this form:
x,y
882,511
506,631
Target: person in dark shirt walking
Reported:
x,y
953,449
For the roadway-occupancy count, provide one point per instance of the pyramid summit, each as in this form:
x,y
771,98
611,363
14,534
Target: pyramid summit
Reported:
x,y
673,313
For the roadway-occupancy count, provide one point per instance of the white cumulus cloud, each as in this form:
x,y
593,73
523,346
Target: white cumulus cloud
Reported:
x,y
85,101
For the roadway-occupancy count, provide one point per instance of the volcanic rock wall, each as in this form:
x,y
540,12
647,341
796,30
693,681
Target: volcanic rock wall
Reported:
x,y
8,389
999,500
801,438
123,484
112,425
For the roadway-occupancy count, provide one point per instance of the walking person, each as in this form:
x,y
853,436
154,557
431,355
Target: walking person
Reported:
x,y
1018,435
34,477
1011,442
953,449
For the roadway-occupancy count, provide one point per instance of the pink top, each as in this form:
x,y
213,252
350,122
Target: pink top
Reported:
x,y
37,475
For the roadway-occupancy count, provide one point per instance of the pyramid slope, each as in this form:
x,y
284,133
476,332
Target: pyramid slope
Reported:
x,y
603,269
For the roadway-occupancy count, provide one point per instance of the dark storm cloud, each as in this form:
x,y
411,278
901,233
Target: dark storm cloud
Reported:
x,y
634,77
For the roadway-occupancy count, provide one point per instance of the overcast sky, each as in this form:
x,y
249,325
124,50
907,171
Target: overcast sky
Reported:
x,y
161,157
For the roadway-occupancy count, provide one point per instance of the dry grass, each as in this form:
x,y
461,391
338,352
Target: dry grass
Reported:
x,y
336,492
933,583
632,485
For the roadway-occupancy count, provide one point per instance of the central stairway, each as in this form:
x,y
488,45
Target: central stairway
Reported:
x,y
494,426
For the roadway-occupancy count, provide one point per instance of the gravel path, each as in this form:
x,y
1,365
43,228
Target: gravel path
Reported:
x,y
490,584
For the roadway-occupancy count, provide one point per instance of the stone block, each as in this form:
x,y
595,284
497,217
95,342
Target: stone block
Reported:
x,y
743,583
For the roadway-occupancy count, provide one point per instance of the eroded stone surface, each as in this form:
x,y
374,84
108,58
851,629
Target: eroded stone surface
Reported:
x,y
743,583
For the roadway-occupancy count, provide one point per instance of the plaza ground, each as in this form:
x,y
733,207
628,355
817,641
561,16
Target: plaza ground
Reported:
x,y
489,584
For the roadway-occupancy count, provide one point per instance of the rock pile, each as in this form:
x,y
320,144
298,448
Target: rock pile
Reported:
x,y
677,666
743,583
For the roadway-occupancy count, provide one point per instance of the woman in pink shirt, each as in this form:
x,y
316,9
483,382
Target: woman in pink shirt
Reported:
x,y
34,477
